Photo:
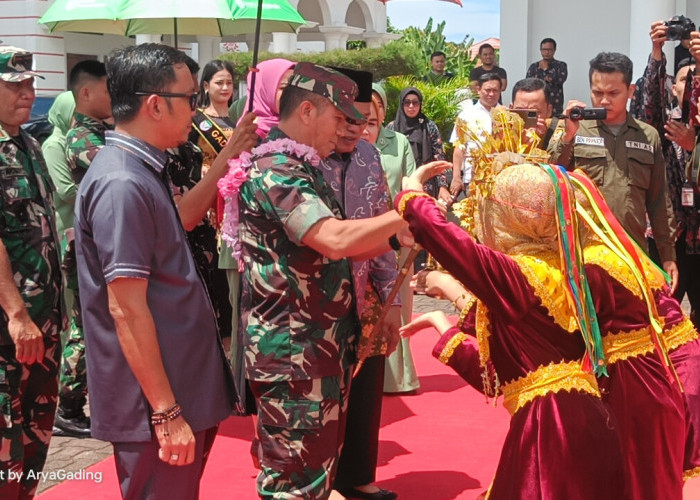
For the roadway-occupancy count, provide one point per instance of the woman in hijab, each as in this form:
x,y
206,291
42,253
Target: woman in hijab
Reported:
x,y
424,137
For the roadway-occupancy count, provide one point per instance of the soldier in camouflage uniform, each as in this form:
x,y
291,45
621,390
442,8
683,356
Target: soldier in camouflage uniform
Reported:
x,y
88,82
30,287
301,319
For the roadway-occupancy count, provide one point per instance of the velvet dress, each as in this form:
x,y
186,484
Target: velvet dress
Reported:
x,y
562,441
646,401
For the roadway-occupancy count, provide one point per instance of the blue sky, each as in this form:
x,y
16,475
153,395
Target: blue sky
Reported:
x,y
478,18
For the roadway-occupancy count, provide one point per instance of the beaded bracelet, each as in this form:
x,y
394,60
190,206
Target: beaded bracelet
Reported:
x,y
160,417
408,197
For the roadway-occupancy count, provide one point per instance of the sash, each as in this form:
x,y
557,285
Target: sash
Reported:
x,y
214,136
209,130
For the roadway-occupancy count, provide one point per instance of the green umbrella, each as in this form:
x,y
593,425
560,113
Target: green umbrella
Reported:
x,y
170,17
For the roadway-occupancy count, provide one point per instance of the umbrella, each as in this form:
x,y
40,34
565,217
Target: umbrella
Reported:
x,y
170,17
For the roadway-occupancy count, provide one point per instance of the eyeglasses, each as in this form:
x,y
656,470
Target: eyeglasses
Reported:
x,y
409,102
192,97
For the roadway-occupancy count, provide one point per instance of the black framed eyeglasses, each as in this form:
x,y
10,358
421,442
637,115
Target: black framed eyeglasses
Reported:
x,y
192,97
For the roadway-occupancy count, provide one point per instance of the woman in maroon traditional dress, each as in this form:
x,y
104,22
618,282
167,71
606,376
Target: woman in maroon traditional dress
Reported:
x,y
562,441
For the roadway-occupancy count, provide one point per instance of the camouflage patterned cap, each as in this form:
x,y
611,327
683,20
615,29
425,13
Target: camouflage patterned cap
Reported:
x,y
16,64
338,88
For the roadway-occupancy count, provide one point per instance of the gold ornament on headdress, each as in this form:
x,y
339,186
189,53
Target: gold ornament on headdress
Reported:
x,y
509,143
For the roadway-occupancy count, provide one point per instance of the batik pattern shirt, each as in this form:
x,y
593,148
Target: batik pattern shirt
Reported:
x,y
83,141
359,184
300,313
555,75
27,229
655,108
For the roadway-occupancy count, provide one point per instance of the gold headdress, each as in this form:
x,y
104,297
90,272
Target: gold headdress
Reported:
x,y
509,143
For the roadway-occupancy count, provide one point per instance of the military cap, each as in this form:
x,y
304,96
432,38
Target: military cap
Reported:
x,y
16,64
336,87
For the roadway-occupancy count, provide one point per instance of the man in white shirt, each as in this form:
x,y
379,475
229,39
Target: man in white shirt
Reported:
x,y
478,120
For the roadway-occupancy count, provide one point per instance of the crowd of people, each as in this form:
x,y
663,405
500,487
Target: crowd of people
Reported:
x,y
205,256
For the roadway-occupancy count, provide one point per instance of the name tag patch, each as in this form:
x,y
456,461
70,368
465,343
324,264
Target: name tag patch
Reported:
x,y
640,145
589,141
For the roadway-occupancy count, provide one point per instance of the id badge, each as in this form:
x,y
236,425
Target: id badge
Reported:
x,y
687,196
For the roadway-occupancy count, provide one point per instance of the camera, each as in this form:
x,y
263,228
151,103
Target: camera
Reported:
x,y
580,113
679,28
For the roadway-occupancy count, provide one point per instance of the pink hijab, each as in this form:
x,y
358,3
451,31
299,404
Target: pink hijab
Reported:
x,y
266,83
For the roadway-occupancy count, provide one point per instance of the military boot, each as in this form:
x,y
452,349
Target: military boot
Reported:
x,y
71,420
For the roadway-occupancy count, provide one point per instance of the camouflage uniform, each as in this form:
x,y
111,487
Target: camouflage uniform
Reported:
x,y
83,141
28,392
301,323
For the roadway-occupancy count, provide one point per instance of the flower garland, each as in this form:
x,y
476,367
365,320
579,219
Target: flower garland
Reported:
x,y
230,184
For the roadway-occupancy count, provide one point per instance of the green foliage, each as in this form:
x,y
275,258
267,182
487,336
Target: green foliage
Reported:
x,y
426,41
440,102
394,58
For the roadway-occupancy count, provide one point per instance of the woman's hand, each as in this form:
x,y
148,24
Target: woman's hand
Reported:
x,y
424,173
436,319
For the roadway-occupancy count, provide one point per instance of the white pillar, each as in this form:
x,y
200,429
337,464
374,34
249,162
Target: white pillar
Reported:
x,y
264,45
515,39
642,14
284,43
208,49
336,37
147,39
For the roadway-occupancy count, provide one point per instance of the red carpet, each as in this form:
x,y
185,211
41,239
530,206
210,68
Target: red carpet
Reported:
x,y
440,444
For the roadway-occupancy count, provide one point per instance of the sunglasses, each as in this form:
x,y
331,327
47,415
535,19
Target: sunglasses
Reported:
x,y
192,97
409,102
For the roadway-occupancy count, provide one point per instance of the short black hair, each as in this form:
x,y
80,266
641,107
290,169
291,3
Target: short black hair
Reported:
x,y
210,69
531,85
83,72
488,77
548,40
611,62
192,65
293,96
148,67
437,53
486,46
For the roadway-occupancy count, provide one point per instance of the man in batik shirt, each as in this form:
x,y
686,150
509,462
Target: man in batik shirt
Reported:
x,y
30,287
553,72
301,320
677,140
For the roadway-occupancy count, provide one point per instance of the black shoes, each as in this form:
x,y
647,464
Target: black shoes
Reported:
x,y
77,426
377,495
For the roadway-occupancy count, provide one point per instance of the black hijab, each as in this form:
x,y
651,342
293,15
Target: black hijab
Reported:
x,y
416,129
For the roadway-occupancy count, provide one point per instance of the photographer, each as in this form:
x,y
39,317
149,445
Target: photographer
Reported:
x,y
677,140
622,155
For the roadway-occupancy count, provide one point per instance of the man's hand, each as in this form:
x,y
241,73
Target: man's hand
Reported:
x,y
444,197
672,270
571,125
243,137
681,134
658,37
29,342
694,47
456,186
177,442
390,328
424,173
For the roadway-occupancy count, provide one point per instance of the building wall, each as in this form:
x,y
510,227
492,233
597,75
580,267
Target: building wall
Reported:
x,y
582,29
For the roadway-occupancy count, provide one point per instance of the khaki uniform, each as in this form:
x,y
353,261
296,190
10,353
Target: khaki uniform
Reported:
x,y
630,171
